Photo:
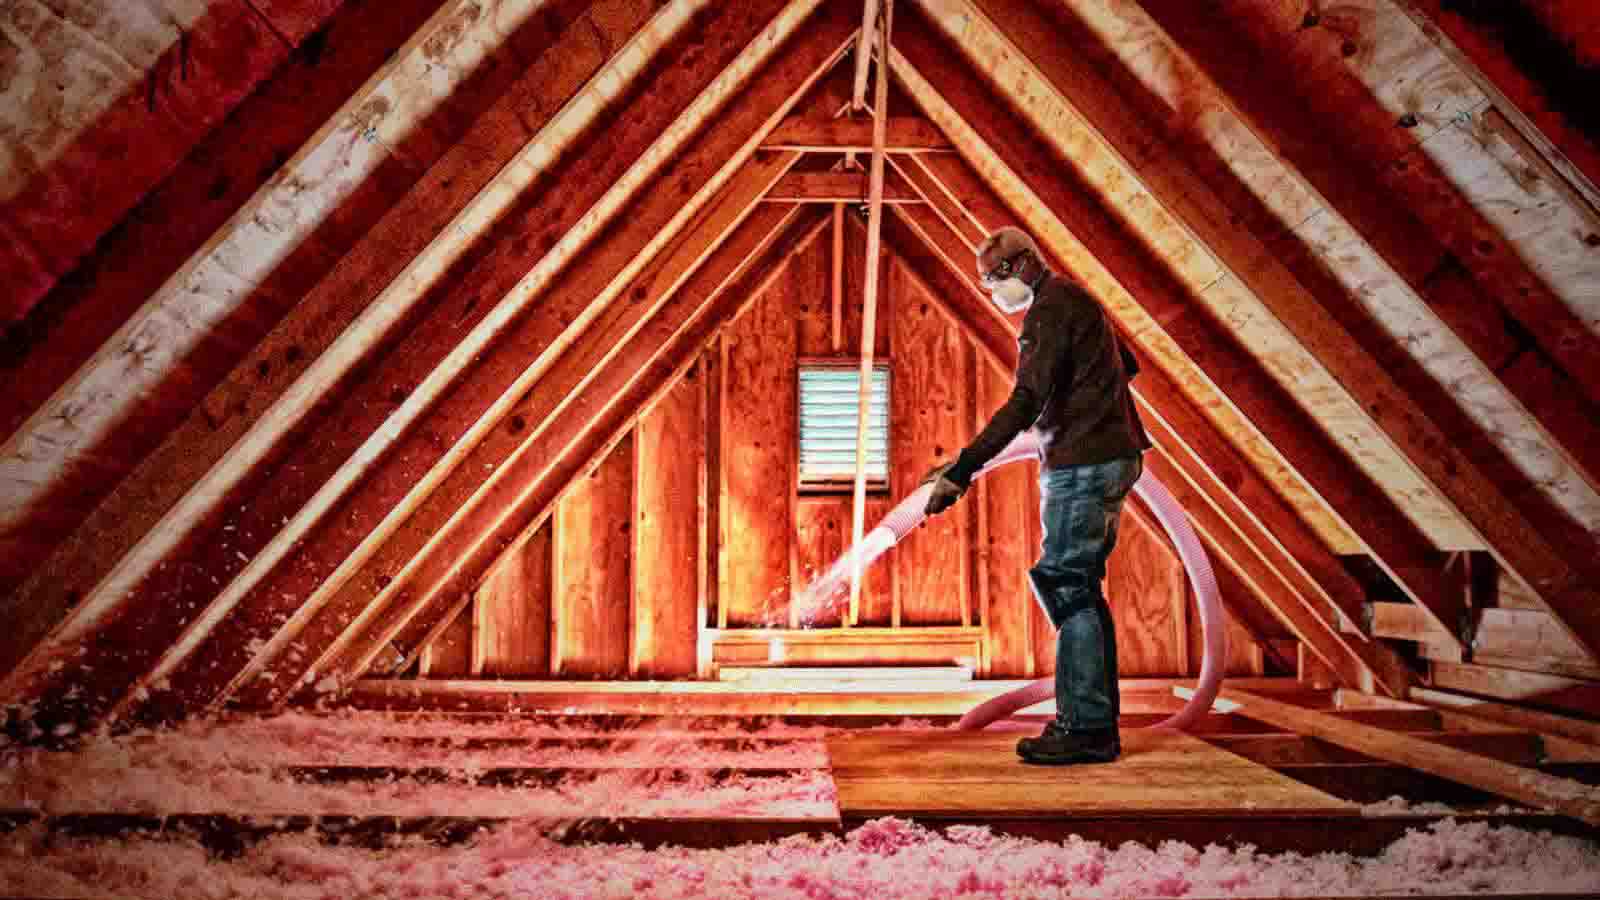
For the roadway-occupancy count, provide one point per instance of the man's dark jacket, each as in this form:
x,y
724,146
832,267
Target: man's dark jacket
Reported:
x,y
1072,387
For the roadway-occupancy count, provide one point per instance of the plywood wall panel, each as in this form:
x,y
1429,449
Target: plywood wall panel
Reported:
x,y
758,448
593,546
822,533
1010,495
1145,586
512,611
450,654
670,444
929,424
810,290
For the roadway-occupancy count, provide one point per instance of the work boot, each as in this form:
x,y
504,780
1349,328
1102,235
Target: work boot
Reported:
x,y
1059,747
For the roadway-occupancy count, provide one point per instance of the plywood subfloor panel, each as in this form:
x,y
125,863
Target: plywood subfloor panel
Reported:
x,y
1160,773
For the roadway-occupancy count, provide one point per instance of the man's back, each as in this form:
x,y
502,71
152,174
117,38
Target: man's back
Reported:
x,y
1088,415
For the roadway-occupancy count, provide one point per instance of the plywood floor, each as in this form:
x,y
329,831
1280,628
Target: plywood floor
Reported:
x,y
978,773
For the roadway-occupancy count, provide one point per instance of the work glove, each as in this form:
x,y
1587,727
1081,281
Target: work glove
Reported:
x,y
945,491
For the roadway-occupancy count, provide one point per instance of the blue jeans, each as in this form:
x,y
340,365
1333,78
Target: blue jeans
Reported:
x,y
1080,507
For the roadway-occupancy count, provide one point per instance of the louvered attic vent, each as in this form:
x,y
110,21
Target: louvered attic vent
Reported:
x,y
828,407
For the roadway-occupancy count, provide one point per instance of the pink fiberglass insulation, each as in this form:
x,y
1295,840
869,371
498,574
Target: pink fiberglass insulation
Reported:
x,y
886,859
247,768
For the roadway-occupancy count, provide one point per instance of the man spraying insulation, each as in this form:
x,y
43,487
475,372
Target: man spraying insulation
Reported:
x,y
1072,388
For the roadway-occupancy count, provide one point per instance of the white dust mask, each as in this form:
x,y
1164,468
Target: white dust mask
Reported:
x,y
1012,295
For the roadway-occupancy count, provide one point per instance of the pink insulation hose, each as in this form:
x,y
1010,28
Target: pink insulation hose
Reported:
x,y
909,513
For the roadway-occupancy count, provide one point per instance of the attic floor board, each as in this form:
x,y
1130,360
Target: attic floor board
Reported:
x,y
978,774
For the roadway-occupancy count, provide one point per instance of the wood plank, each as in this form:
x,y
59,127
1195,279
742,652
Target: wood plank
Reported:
x,y
669,452
1556,693
1529,635
310,188
905,134
449,653
822,529
592,551
679,326
928,425
1524,785
620,256
1145,585
1509,714
884,652
172,222
95,116
836,187
361,304
758,449
513,610
1159,773
1011,497
1481,46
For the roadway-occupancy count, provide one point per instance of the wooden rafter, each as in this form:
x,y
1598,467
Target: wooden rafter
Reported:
x,y
671,305
238,426
836,187
582,439
905,134
1565,580
1483,56
882,21
301,591
175,220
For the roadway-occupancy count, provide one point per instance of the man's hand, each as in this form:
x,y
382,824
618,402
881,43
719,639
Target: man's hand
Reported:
x,y
945,491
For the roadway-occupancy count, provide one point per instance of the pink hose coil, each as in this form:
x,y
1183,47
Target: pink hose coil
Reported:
x,y
910,512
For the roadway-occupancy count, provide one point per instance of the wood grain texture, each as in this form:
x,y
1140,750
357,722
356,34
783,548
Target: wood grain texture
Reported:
x,y
1146,588
928,425
593,550
325,318
512,607
1011,495
1514,782
670,451
822,534
758,448
889,773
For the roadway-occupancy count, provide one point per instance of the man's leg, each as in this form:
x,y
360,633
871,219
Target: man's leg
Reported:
x,y
1080,508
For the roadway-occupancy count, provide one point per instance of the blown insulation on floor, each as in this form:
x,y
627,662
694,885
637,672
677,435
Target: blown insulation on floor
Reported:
x,y
719,769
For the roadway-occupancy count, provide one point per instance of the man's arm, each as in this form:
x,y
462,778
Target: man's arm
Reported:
x,y
1043,341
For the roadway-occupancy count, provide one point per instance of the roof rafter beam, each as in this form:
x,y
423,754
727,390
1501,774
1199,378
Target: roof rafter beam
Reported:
x,y
339,602
836,187
808,134
283,599
146,518
1567,582
581,434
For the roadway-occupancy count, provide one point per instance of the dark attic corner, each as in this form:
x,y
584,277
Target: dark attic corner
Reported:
x,y
799,448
